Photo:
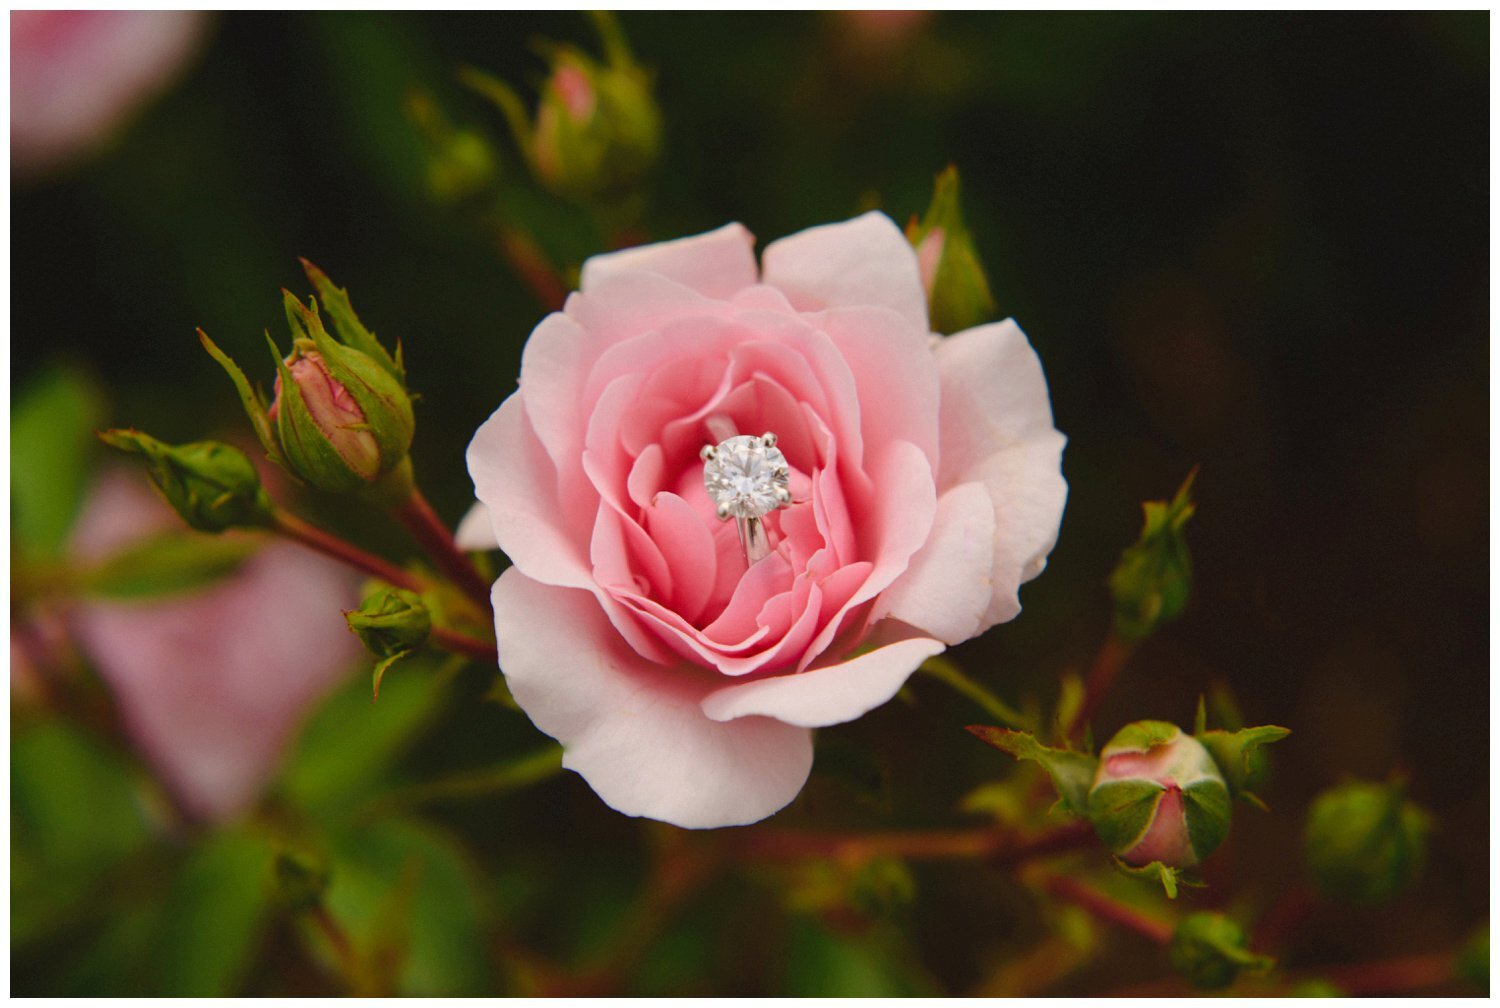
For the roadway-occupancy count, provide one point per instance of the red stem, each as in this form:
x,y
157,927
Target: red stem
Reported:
x,y
1392,976
1108,662
328,544
998,845
435,539
458,643
533,268
1107,908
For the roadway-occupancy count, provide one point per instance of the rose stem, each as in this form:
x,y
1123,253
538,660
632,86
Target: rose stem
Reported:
x,y
435,539
994,843
343,949
1107,908
533,268
1108,662
942,669
462,644
311,536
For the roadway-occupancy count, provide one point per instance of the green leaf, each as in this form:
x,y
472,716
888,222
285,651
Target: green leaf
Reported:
x,y
1072,772
214,917
76,812
405,894
170,563
349,743
959,295
1235,753
825,963
52,423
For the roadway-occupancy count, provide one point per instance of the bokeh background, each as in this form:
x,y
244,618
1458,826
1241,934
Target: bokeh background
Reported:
x,y
1256,244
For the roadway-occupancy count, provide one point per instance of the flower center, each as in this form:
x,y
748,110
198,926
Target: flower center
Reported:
x,y
743,476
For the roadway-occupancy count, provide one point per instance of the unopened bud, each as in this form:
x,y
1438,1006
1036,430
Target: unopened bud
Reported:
x,y
212,485
958,292
1365,842
1152,581
597,130
1209,950
1158,797
390,622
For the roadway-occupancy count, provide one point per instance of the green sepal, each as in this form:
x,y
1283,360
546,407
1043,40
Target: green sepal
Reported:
x,y
1365,842
1123,810
377,392
211,485
1234,752
250,398
347,324
1072,772
1154,577
1206,809
167,564
1169,878
960,295
380,670
1209,950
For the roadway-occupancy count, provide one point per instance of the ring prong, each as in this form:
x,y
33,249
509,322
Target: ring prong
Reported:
x,y
783,496
707,452
722,511
769,439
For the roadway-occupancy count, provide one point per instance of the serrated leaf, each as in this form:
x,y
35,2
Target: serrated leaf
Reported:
x,y
1072,772
1234,753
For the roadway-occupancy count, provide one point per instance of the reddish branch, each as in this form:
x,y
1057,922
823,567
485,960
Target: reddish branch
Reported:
x,y
437,541
1107,908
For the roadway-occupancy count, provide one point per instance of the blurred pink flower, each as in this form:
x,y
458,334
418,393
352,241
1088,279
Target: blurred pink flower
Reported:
x,y
211,684
76,76
925,482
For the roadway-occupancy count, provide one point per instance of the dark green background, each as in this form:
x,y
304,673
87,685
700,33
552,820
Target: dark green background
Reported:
x,y
1257,244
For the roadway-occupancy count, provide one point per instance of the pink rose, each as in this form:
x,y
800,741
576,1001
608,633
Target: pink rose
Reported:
x,y
925,482
77,75
211,684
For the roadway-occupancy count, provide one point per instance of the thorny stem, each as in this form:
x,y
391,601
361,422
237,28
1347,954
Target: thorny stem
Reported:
x,y
1108,662
1107,908
946,671
311,536
437,541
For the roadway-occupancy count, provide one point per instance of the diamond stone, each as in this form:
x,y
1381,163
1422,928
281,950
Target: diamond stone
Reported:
x,y
743,476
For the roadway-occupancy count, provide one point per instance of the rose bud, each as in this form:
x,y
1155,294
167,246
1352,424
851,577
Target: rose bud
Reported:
x,y
1365,842
1209,950
1152,581
597,130
340,418
1158,796
212,485
391,621
958,293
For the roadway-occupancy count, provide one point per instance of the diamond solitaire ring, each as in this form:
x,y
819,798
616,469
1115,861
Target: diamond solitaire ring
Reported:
x,y
746,478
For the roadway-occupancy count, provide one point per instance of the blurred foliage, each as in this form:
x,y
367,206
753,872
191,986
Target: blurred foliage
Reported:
x,y
1249,242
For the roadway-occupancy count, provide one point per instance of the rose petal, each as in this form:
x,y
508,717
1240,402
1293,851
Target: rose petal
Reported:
x,y
718,263
946,589
513,478
475,533
997,429
825,696
636,731
864,261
